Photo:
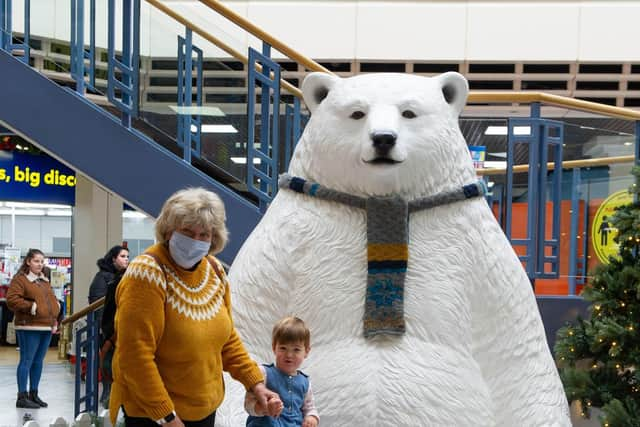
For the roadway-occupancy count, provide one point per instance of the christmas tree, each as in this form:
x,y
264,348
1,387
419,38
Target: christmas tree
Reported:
x,y
599,358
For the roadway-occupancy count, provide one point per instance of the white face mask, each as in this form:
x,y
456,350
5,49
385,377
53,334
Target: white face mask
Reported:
x,y
185,251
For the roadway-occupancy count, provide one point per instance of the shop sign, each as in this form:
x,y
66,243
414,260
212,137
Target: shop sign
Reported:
x,y
602,232
35,179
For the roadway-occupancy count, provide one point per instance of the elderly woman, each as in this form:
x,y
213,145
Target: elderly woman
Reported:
x,y
175,333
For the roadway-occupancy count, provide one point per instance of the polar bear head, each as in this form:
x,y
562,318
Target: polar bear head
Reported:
x,y
381,134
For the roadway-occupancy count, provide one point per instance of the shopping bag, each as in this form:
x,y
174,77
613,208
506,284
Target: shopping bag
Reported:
x,y
11,333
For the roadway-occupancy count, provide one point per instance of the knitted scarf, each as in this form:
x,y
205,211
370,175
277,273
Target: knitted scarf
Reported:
x,y
387,245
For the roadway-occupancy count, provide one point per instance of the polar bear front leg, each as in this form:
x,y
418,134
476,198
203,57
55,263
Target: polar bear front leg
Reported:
x,y
509,341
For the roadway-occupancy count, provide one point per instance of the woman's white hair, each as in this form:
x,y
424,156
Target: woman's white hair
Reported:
x,y
193,207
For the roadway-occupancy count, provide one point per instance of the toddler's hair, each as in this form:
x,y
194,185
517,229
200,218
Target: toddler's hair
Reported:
x,y
290,330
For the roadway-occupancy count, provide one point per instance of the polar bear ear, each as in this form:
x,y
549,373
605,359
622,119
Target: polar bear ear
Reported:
x,y
316,87
454,89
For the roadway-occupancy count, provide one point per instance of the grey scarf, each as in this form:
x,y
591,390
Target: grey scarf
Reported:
x,y
387,245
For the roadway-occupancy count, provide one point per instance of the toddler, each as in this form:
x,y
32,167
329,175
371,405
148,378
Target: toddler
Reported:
x,y
291,345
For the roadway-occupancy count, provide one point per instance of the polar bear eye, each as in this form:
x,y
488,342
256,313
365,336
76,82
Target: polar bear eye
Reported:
x,y
408,114
357,115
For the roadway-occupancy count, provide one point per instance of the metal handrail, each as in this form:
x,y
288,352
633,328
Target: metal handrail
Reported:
x,y
264,36
556,100
219,43
77,315
568,164
310,64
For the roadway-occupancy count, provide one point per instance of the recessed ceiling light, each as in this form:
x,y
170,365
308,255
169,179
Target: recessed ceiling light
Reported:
x,y
502,130
243,160
214,129
194,110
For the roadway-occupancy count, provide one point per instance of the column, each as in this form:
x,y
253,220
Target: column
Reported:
x,y
97,226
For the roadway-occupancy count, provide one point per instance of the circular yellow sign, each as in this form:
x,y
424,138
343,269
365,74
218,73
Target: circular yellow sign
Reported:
x,y
602,233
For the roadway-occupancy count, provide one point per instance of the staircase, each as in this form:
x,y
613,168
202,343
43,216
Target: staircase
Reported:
x,y
92,141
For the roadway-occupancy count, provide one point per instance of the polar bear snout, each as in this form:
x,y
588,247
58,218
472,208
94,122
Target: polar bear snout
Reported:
x,y
383,142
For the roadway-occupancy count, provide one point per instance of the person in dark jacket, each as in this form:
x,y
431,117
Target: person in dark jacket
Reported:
x,y
36,308
111,266
115,261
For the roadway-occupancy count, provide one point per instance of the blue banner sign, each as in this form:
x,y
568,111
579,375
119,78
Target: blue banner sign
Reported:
x,y
35,179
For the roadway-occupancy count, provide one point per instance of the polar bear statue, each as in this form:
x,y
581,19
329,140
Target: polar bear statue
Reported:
x,y
466,346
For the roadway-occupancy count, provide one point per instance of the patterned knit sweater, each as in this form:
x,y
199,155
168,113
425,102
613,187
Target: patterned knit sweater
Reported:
x,y
175,335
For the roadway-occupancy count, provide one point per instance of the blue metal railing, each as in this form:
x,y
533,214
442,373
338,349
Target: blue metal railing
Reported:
x,y
577,252
128,65
19,50
189,124
262,176
87,343
78,52
543,135
293,130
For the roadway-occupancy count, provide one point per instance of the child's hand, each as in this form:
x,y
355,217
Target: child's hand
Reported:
x,y
261,410
310,421
274,406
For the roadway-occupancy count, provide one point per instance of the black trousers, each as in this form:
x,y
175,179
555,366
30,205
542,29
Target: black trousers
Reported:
x,y
208,421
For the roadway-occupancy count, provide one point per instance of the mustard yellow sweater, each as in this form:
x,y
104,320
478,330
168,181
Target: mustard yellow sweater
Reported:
x,y
174,338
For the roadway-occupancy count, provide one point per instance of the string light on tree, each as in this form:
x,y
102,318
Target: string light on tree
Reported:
x,y
607,341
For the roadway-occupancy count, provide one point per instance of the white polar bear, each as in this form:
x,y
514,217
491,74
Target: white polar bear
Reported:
x,y
474,352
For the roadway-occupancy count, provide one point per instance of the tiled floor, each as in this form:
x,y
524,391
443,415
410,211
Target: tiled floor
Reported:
x,y
56,388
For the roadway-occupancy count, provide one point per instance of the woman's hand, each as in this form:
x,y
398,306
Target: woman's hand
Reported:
x,y
264,396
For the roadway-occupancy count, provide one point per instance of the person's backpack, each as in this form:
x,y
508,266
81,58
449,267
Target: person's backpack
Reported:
x,y
109,314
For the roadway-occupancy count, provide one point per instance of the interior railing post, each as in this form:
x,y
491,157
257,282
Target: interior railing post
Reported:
x,y
573,233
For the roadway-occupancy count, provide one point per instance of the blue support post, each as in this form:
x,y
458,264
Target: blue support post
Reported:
x,y
509,182
77,44
293,126
185,72
91,53
5,24
573,242
637,147
582,257
268,153
498,197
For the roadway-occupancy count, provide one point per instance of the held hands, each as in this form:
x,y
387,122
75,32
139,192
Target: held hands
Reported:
x,y
267,401
310,421
176,422
274,407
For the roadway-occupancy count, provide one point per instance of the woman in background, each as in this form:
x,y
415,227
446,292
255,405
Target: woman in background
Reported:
x,y
36,309
114,262
111,268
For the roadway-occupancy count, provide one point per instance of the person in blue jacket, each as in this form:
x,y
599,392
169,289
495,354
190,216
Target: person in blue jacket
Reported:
x,y
291,345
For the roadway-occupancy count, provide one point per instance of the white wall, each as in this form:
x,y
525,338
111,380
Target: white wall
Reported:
x,y
387,30
39,231
35,231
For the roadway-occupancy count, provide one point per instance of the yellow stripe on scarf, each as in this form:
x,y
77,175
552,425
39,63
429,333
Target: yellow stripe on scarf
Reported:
x,y
387,251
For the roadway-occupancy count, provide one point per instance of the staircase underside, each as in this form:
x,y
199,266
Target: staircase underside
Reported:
x,y
90,141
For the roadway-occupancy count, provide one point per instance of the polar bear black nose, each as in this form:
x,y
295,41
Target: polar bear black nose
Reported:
x,y
383,142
